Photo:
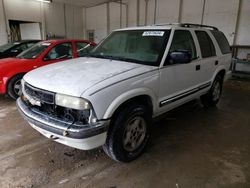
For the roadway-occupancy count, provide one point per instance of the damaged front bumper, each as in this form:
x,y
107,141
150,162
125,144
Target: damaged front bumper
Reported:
x,y
83,137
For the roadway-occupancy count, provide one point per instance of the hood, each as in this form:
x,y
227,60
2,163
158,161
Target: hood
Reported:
x,y
10,62
7,61
74,77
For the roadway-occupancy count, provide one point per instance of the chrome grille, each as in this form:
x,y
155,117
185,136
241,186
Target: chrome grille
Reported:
x,y
49,108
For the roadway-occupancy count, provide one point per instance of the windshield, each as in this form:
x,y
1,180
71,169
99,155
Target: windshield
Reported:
x,y
137,46
35,51
7,46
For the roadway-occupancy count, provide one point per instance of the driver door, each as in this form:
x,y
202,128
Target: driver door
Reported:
x,y
60,52
178,82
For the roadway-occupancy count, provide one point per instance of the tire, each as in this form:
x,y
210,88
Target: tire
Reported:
x,y
128,133
213,96
12,89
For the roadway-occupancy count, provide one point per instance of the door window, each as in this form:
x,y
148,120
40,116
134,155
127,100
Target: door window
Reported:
x,y
222,41
183,40
206,44
60,51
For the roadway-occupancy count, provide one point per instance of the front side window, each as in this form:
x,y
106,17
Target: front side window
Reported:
x,y
206,44
136,46
34,51
183,40
60,51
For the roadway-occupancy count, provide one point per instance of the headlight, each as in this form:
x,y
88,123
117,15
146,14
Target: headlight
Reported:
x,y
72,102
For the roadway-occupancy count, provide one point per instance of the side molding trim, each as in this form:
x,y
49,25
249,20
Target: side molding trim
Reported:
x,y
183,95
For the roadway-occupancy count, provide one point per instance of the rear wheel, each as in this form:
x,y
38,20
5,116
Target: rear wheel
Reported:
x,y
128,134
14,88
213,96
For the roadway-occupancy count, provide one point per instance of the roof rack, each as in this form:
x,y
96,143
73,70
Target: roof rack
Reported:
x,y
198,25
162,24
188,25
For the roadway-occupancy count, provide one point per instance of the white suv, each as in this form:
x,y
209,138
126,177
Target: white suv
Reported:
x,y
109,97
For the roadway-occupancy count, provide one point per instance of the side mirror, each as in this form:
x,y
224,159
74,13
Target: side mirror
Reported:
x,y
179,57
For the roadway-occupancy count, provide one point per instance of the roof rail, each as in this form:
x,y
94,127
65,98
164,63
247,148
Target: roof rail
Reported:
x,y
198,25
162,24
188,25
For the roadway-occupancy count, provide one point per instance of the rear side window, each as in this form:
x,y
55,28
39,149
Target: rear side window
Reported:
x,y
206,44
222,41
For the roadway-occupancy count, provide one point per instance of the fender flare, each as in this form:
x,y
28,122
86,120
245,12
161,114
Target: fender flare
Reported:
x,y
220,68
118,101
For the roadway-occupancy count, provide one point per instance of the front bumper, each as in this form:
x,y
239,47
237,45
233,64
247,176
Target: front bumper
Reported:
x,y
84,137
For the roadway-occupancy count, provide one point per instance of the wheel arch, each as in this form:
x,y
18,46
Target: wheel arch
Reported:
x,y
220,71
11,77
140,96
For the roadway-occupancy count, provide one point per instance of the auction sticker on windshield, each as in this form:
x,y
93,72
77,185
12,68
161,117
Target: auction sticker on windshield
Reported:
x,y
153,33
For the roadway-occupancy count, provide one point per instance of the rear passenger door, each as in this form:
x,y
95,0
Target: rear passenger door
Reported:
x,y
209,60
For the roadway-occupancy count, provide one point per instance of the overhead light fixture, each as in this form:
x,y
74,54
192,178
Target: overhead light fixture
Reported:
x,y
45,1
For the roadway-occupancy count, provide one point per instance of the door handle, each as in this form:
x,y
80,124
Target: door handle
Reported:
x,y
197,67
34,67
216,62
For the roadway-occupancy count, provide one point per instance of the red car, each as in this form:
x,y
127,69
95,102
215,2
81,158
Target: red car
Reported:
x,y
13,69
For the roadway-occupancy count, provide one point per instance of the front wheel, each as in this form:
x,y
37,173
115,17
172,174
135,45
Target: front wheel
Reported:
x,y
213,96
14,87
129,133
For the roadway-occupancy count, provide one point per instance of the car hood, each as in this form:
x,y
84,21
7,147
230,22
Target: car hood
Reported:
x,y
10,62
7,61
74,77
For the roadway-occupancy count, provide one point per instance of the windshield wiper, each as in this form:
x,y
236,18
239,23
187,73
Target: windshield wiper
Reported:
x,y
114,58
97,56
